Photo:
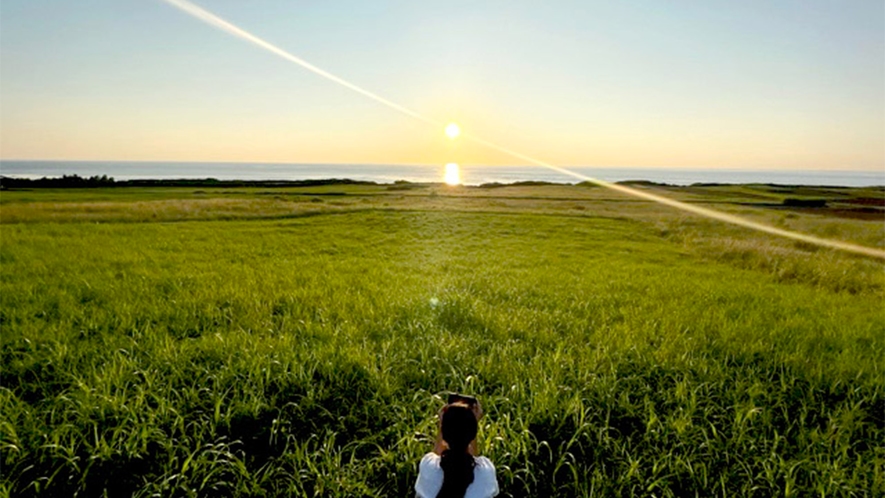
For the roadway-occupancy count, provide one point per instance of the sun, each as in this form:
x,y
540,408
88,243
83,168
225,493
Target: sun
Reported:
x,y
453,174
453,130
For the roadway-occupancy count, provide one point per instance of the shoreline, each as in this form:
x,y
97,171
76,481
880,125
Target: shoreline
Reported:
x,y
469,174
75,181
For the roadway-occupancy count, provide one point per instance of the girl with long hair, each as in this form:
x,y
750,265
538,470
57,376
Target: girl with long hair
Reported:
x,y
453,470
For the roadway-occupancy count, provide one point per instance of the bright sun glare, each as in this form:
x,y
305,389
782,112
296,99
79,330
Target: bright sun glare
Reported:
x,y
453,174
453,130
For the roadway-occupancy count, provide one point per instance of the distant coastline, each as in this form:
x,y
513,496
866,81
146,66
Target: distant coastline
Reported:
x,y
280,173
76,181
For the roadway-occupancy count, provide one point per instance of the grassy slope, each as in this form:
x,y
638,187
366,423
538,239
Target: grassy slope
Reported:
x,y
617,350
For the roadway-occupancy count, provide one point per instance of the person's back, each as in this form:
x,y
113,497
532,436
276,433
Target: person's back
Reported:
x,y
431,475
453,470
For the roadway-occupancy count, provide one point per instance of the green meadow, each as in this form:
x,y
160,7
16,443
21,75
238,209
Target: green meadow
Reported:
x,y
299,341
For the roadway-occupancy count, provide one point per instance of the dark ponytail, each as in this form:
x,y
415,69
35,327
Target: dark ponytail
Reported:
x,y
458,430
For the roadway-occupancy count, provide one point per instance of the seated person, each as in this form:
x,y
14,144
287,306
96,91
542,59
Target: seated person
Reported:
x,y
453,470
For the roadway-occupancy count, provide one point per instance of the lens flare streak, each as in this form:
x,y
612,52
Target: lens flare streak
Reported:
x,y
702,211
219,23
213,20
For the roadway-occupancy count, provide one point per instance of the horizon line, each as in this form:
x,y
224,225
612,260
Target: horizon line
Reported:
x,y
322,163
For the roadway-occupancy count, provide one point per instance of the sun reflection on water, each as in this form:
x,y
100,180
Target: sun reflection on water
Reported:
x,y
453,174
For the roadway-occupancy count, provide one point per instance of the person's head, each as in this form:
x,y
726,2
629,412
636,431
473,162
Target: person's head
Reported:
x,y
458,426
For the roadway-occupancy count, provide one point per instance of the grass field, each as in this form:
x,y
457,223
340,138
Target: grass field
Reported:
x,y
299,341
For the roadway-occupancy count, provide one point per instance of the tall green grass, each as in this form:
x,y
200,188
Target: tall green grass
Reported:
x,y
308,357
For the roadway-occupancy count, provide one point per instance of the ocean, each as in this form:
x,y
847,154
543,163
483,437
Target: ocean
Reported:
x,y
470,175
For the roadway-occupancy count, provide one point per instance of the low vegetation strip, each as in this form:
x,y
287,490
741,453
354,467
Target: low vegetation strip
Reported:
x,y
104,181
617,350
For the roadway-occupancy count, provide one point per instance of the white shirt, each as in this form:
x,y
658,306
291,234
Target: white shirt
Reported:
x,y
430,478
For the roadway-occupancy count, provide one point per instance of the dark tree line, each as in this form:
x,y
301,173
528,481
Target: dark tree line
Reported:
x,y
76,181
65,181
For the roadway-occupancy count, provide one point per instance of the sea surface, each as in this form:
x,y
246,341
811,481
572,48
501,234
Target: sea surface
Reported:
x,y
470,175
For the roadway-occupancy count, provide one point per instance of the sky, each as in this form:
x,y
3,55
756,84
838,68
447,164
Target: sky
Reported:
x,y
684,84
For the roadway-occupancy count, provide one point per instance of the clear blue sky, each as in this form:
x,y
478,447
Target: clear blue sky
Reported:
x,y
756,84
